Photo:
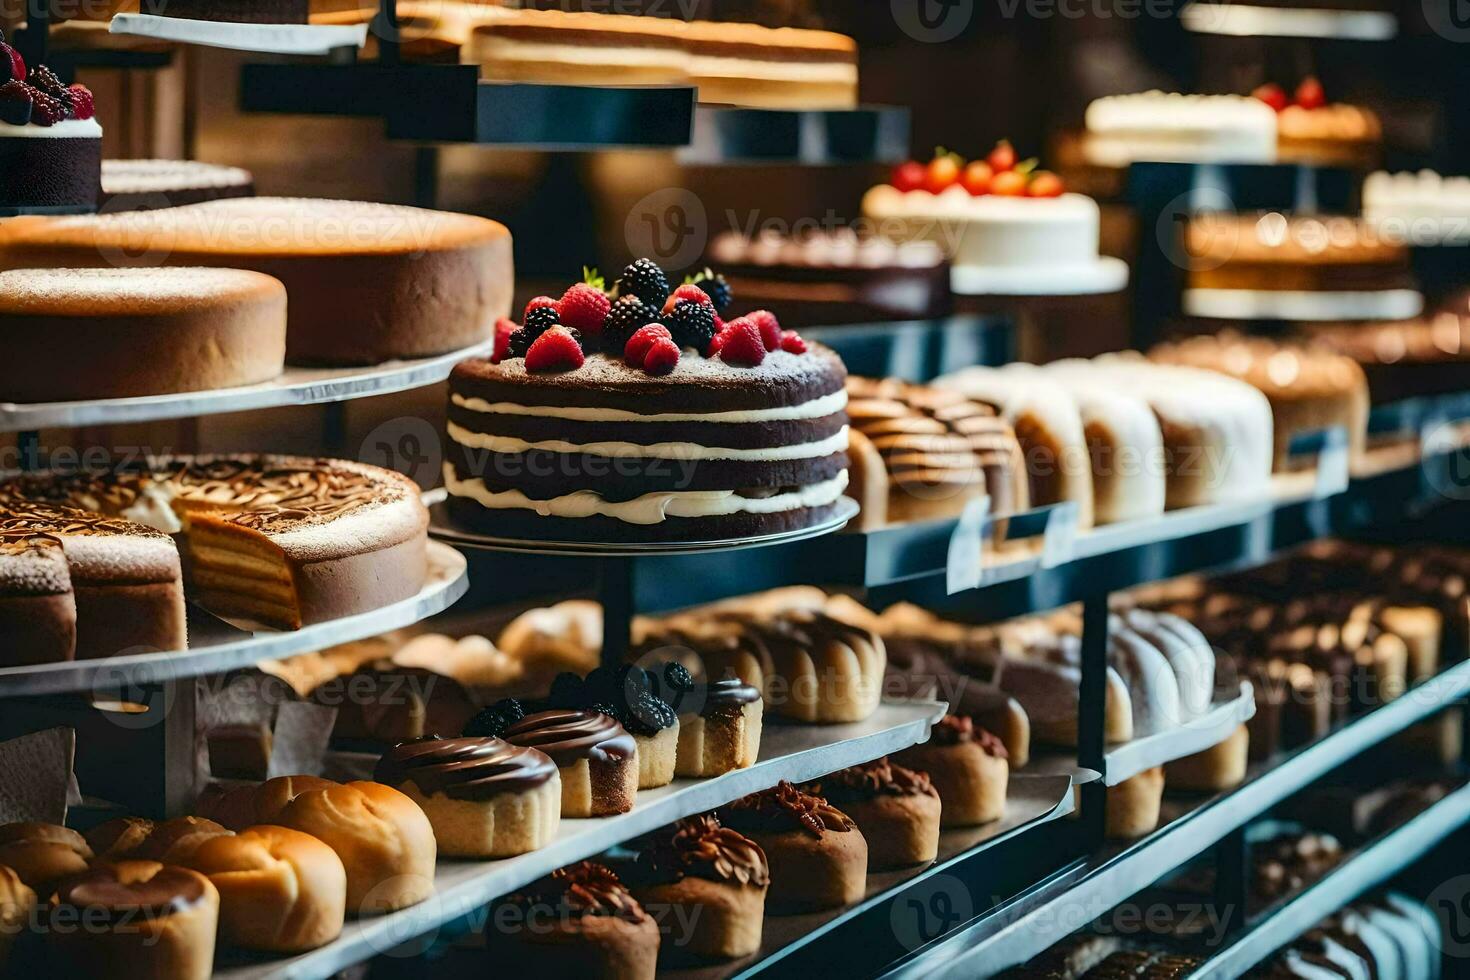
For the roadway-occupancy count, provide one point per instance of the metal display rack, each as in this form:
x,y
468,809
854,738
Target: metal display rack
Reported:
x,y
463,888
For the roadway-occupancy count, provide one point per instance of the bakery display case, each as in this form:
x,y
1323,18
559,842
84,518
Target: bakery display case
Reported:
x,y
872,563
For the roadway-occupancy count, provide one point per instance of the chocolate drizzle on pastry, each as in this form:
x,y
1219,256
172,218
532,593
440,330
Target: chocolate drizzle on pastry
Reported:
x,y
783,808
954,729
699,847
105,892
586,888
569,735
872,779
728,696
464,768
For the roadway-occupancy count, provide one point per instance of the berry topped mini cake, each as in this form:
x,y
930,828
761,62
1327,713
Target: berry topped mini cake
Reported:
x,y
1312,130
50,140
641,415
991,213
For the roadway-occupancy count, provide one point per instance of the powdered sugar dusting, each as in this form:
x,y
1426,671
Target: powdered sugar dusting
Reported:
x,y
154,176
99,291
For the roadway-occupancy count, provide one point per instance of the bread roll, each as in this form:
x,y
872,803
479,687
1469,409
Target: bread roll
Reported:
x,y
281,891
42,853
248,806
385,842
16,901
143,921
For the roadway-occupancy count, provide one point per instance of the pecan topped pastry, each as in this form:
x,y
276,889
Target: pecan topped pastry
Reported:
x,y
784,807
967,765
817,854
877,778
578,921
897,809
699,846
715,870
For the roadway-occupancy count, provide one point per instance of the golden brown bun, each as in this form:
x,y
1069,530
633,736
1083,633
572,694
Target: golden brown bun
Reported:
x,y
248,806
42,853
119,838
1219,767
176,946
1133,805
16,901
281,891
385,842
172,841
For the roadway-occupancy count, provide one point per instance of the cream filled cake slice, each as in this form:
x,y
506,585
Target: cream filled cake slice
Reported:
x,y
78,584
279,541
646,424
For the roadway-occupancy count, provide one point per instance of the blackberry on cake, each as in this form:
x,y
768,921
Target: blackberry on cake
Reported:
x,y
715,287
692,324
50,142
627,316
644,279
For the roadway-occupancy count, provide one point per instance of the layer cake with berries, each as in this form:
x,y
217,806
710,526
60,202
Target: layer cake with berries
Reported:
x,y
365,282
646,419
994,213
79,334
50,140
276,540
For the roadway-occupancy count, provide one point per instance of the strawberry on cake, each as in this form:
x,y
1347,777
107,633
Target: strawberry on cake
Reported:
x,y
50,140
639,414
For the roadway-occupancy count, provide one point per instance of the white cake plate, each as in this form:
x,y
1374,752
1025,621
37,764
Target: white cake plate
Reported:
x,y
268,38
1107,275
1325,306
296,386
216,646
443,527
1244,20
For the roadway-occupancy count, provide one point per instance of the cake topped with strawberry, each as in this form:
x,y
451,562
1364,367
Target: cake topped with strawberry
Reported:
x,y
994,212
1310,129
639,412
50,140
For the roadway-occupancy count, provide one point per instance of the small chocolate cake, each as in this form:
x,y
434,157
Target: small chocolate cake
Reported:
x,y
50,141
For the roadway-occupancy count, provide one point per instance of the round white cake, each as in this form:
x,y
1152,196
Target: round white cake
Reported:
x,y
1170,127
991,231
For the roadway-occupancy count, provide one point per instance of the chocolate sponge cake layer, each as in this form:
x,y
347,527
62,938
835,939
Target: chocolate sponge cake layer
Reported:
x,y
607,452
543,476
50,172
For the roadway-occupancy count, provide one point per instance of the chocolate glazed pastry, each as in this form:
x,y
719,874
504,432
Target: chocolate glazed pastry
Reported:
x,y
579,922
720,875
485,797
967,766
726,732
597,757
897,810
820,856
143,920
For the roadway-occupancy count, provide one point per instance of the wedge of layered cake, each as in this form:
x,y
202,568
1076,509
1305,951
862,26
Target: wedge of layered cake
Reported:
x,y
646,419
278,541
78,584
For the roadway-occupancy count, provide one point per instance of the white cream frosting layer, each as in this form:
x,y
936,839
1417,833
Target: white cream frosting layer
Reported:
x,y
652,508
659,450
66,129
817,408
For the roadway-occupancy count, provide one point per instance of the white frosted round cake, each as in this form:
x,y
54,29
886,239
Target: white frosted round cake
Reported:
x,y
647,419
1005,225
1170,127
1421,208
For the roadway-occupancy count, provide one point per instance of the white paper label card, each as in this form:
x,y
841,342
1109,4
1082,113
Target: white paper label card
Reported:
x,y
1059,542
1332,463
966,548
301,736
36,776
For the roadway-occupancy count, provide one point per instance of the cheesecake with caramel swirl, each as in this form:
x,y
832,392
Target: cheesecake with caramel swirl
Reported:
x,y
278,541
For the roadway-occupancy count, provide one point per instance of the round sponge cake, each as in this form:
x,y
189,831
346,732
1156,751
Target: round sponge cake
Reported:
x,y
73,334
367,282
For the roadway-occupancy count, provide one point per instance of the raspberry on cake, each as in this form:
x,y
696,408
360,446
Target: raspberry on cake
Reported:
x,y
641,441
50,140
